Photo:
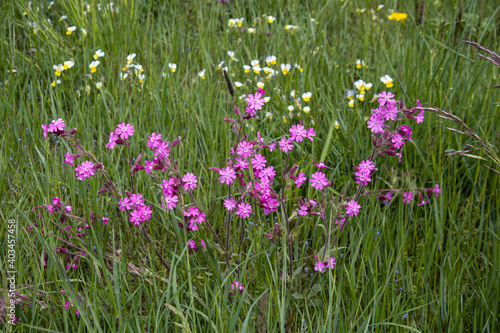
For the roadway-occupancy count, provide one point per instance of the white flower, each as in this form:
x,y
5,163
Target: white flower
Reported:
x,y
380,7
336,124
59,69
84,32
238,84
266,99
256,69
70,30
230,54
292,94
239,21
221,64
202,74
123,76
130,58
351,103
251,30
360,63
387,80
242,97
290,108
231,22
246,68
307,96
68,64
260,85
93,66
172,66
271,60
255,63
98,54
271,19
361,97
98,85
63,17
306,109
285,68
141,78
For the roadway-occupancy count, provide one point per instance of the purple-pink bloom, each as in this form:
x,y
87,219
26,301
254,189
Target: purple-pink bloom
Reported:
x,y
69,209
362,177
85,170
272,146
407,197
436,190
135,217
244,210
112,140
125,203
385,98
136,200
391,112
153,139
229,203
318,180
56,126
420,117
298,132
319,266
302,210
192,244
45,131
321,165
124,131
330,263
286,144
168,186
301,178
258,162
310,133
241,163
352,208
366,165
149,166
406,131
69,159
227,176
398,140
105,220
255,101
376,124
171,201
161,150
268,172
145,211
190,181
244,149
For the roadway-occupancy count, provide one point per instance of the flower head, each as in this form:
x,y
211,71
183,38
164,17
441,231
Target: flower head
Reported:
x,y
244,210
318,180
124,131
227,176
352,208
190,181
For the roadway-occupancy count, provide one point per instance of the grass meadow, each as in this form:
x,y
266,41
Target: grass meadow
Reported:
x,y
399,267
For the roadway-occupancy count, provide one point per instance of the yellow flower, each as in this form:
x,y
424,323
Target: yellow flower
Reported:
x,y
291,27
70,30
231,55
202,74
50,4
351,103
220,65
231,22
306,109
380,6
398,16
360,10
255,63
362,86
93,66
98,54
360,63
246,68
141,78
251,30
63,17
256,69
123,76
24,13
173,67
59,69
68,64
267,70
266,99
285,68
98,85
271,19
271,60
298,67
239,21
351,94
307,96
130,58
238,84
260,85
336,125
361,97
387,80
284,120
53,84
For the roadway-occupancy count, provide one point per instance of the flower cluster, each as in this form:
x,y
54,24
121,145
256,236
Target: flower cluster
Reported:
x,y
322,266
134,202
120,134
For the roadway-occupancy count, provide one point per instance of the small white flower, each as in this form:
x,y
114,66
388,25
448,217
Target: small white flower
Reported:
x,y
271,19
98,85
251,30
68,64
306,109
63,17
387,80
380,7
271,60
307,96
256,69
260,85
84,31
130,58
123,76
93,66
360,63
173,67
290,108
266,99
246,68
202,74
285,68
238,84
70,30
221,64
98,54
292,94
141,78
336,124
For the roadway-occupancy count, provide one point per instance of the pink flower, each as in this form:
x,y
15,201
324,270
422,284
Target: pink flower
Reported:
x,y
192,244
385,98
301,178
407,197
168,186
310,133
298,132
68,209
244,149
391,113
400,155
161,149
255,101
318,180
237,286
330,263
57,126
112,140
56,200
398,140
85,170
261,91
124,131
69,159
366,166
436,190
145,212
258,162
227,175
202,243
105,220
268,172
136,200
302,210
149,166
272,146
45,131
125,203
362,177
241,163
136,217
406,131
229,203
319,266
352,208
190,181
244,210
171,201
376,124
321,165
153,139
420,117
286,145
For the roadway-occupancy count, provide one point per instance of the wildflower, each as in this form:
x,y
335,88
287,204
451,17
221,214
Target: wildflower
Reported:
x,y
362,177
227,175
379,7
255,101
361,97
202,74
136,200
69,159
123,76
84,32
136,217
301,178
362,86
53,84
246,68
285,68
85,170
231,22
398,16
70,30
149,166
64,17
173,67
130,58
271,19
298,132
260,85
321,165
319,266
105,220
230,204
161,150
302,210
267,99
256,69
241,163
255,63
98,54
352,208
93,66
307,96
169,186
98,85
124,131
113,137
190,181
376,124
244,210
141,78
436,190
318,180
306,109
154,139
360,63
336,125
268,172
237,286
385,98
231,55
56,126
407,197
420,117
310,133
271,60
251,30
398,140
286,144
59,69
239,21
290,108
68,64
387,80
171,201
258,162
351,94
238,84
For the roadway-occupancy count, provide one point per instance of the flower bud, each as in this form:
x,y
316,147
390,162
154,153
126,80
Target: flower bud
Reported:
x,y
236,110
214,169
120,142
72,131
102,190
138,159
176,142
